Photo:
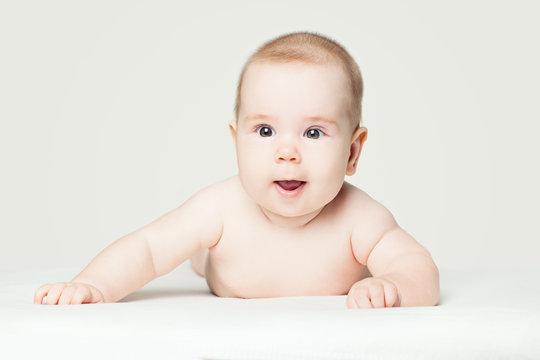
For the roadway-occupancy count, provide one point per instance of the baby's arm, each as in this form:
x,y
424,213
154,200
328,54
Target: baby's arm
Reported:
x,y
139,257
404,273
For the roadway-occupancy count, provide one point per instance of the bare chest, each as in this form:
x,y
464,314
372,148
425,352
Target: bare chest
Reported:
x,y
254,262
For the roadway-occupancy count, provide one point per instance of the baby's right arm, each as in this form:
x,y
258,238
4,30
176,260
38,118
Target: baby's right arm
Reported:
x,y
152,251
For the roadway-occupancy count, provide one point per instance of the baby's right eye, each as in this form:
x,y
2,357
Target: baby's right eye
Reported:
x,y
265,131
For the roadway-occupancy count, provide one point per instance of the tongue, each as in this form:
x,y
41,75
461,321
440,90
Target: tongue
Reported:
x,y
289,184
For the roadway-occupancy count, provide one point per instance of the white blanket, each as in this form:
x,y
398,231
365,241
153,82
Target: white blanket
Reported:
x,y
482,315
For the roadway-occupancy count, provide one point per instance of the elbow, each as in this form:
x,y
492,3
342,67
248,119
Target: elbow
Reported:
x,y
436,296
425,290
431,293
432,290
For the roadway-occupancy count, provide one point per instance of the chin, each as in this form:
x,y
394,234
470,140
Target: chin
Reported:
x,y
293,212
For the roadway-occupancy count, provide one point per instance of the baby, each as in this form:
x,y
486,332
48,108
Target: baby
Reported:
x,y
288,224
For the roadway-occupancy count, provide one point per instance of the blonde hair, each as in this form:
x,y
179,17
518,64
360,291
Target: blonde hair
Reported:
x,y
311,48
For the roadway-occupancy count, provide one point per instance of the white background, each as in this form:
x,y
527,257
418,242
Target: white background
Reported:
x,y
115,112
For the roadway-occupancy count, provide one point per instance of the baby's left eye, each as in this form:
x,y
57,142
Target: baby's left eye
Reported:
x,y
314,134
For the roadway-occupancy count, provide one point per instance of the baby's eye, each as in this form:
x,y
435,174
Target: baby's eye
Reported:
x,y
314,133
265,131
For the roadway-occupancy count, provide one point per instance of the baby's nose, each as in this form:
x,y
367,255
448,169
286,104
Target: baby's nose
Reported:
x,y
288,153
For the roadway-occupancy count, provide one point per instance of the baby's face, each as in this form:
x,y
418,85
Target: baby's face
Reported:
x,y
293,137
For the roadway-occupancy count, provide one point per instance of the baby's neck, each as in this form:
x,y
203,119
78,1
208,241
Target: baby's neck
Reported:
x,y
289,221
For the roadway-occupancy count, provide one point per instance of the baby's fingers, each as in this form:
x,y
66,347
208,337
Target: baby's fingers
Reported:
x,y
67,295
358,298
376,295
54,293
41,293
391,296
82,295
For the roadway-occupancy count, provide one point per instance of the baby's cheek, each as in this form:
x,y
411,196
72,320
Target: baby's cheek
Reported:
x,y
328,186
331,172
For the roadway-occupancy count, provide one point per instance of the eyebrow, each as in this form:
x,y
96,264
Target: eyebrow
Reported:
x,y
258,117
322,119
308,118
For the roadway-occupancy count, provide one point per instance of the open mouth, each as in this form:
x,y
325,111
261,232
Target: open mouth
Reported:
x,y
289,188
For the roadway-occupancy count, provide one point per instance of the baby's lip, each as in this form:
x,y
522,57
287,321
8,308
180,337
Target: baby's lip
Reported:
x,y
289,185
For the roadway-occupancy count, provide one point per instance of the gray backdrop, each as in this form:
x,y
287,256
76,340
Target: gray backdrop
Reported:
x,y
115,112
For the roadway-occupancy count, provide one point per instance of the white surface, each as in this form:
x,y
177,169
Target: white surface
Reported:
x,y
114,112
489,315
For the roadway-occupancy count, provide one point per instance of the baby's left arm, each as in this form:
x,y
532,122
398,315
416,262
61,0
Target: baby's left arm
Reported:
x,y
404,273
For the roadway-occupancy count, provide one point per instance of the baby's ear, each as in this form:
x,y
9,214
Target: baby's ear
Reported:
x,y
358,139
232,129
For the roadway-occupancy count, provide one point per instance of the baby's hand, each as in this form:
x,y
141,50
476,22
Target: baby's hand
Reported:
x,y
68,293
373,292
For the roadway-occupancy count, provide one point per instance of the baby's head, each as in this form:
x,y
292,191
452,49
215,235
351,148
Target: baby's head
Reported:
x,y
297,128
309,48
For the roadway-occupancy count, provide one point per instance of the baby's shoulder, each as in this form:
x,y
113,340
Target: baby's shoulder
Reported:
x,y
218,193
365,212
368,220
356,199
